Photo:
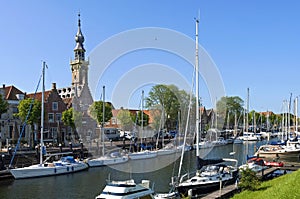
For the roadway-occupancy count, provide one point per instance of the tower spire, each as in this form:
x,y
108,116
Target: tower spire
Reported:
x,y
79,38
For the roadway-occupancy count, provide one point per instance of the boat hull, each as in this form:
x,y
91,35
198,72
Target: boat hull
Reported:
x,y
97,162
205,188
35,171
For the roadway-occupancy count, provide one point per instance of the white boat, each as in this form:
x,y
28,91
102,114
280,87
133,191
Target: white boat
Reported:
x,y
249,136
278,151
107,160
254,165
204,145
172,195
64,166
126,190
167,150
237,141
142,155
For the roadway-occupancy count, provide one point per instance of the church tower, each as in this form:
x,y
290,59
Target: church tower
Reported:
x,y
81,97
79,66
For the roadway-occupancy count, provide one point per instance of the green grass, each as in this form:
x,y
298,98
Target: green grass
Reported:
x,y
283,187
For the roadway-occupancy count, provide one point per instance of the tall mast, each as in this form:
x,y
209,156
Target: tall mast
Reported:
x,y
296,115
42,114
142,117
197,94
247,111
103,119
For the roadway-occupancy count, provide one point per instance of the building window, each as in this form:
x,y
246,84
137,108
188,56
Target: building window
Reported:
x,y
50,117
53,133
58,117
54,106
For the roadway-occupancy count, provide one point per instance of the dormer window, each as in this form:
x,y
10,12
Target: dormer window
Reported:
x,y
54,106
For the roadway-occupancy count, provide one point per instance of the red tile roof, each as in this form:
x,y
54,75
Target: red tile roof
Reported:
x,y
11,92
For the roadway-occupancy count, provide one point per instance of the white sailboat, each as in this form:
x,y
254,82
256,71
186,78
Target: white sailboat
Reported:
x,y
110,159
209,173
64,166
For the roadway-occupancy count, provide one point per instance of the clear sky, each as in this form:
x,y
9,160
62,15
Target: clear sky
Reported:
x,y
254,44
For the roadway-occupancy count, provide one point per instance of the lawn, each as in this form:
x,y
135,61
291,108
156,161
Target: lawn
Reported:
x,y
286,186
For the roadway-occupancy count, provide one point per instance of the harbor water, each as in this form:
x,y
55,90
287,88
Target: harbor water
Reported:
x,y
89,183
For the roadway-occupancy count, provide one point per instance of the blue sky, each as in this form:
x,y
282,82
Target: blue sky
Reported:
x,y
254,44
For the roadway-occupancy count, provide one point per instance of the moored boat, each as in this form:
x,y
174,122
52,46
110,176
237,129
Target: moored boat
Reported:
x,y
126,190
278,151
64,166
107,160
209,177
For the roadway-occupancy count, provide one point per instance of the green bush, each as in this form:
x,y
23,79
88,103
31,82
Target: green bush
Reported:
x,y
249,180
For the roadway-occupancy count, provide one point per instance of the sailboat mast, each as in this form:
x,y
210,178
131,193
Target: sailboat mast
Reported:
x,y
103,120
296,116
42,114
197,94
142,118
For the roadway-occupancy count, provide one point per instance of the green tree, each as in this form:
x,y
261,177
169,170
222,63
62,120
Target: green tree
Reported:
x,y
125,118
96,111
34,116
72,119
228,107
168,96
139,117
3,105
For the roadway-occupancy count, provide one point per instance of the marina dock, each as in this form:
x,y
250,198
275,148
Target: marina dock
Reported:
x,y
225,192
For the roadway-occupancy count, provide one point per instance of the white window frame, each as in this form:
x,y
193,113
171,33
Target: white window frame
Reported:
x,y
54,106
50,115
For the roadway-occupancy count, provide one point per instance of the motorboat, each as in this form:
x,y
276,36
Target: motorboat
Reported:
x,y
171,195
278,151
127,189
255,164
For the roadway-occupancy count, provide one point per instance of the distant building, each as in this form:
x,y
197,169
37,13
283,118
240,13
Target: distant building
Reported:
x,y
9,124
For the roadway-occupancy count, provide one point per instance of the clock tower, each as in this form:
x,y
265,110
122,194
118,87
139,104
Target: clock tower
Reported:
x,y
79,66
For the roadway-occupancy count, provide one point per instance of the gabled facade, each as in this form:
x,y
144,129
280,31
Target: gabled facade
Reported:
x,y
54,129
9,124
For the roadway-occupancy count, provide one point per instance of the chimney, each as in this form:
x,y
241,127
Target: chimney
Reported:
x,y
3,86
53,86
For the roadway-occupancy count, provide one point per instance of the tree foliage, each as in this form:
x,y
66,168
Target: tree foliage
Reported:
x,y
141,118
249,180
68,118
126,120
96,111
170,98
3,105
35,113
228,107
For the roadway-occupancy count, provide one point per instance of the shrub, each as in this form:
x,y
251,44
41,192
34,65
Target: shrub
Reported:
x,y
249,180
